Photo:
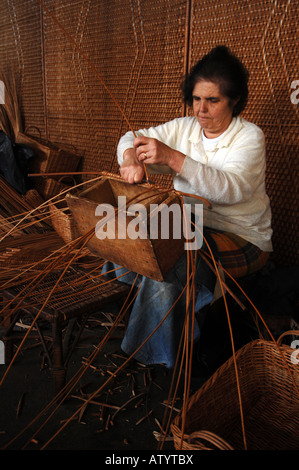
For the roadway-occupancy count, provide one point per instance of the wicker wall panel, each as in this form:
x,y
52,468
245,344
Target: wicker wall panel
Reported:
x,y
21,56
137,48
263,34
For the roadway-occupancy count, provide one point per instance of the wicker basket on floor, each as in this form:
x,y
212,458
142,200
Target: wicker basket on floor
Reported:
x,y
269,385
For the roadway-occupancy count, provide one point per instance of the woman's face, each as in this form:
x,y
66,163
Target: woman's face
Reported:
x,y
213,110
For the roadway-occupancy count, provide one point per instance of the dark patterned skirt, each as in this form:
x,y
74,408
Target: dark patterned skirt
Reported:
x,y
237,256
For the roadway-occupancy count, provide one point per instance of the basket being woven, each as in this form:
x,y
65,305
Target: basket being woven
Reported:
x,y
269,385
63,222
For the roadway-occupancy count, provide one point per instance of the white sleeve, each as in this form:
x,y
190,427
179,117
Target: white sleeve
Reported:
x,y
242,172
125,142
165,133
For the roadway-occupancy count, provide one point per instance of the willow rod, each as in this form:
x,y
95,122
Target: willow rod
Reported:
x,y
81,53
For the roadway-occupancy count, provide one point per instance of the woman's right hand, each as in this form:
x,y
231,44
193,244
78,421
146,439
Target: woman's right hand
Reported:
x,y
131,169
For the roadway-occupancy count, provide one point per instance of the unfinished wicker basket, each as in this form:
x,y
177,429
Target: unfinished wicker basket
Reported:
x,y
269,382
62,221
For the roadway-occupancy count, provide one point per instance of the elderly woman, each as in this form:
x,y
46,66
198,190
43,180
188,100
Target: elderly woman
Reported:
x,y
219,156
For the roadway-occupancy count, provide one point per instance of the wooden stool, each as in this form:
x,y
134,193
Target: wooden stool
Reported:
x,y
76,296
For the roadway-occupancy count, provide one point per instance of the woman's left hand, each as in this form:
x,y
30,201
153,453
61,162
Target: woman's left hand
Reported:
x,y
155,152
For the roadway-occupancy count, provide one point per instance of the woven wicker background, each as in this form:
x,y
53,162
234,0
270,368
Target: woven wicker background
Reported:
x,y
141,49
127,42
264,34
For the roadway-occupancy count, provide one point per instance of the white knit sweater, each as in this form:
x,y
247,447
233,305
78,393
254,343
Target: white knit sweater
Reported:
x,y
231,175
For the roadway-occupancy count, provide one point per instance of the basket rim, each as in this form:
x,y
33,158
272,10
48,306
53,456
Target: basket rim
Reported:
x,y
185,438
258,343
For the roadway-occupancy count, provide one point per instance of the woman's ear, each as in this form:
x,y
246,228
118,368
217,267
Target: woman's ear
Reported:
x,y
233,103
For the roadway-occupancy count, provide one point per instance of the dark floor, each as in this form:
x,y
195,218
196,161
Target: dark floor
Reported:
x,y
129,404
125,414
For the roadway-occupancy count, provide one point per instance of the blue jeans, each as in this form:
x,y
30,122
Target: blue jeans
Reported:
x,y
153,301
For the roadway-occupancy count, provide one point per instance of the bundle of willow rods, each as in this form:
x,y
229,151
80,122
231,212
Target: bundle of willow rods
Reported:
x,y
12,208
25,256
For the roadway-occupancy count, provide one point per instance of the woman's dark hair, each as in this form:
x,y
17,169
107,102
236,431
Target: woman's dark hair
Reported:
x,y
222,67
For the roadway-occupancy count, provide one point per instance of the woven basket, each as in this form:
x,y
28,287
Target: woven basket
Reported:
x,y
52,187
49,156
60,215
270,403
33,198
62,221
